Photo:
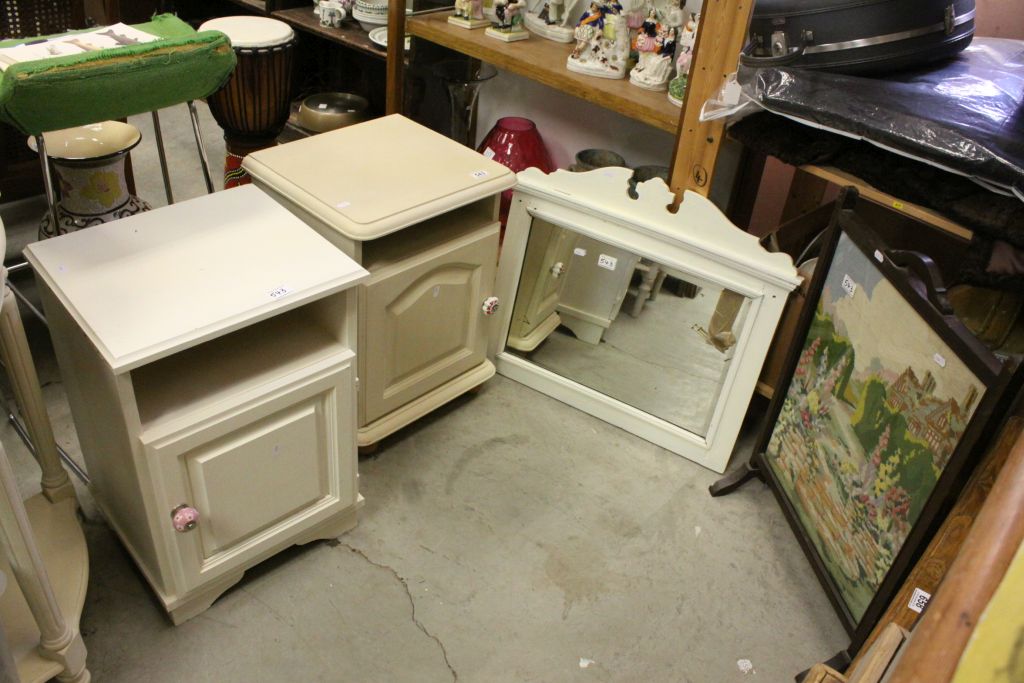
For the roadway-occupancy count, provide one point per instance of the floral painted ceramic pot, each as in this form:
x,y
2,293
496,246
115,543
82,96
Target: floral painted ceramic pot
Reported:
x,y
89,164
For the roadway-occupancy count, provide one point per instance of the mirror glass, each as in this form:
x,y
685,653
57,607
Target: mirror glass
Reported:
x,y
624,325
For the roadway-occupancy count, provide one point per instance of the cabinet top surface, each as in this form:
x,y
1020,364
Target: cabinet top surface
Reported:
x,y
153,284
377,177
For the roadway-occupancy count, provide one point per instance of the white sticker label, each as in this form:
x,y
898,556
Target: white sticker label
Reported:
x,y
607,262
278,292
437,290
322,105
579,251
939,359
879,256
918,600
478,174
342,205
849,286
489,153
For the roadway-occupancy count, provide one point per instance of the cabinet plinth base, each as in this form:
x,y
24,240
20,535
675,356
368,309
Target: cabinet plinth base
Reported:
x,y
536,336
201,600
198,601
333,527
414,410
585,330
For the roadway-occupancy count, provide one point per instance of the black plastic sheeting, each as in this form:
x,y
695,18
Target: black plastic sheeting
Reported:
x,y
965,115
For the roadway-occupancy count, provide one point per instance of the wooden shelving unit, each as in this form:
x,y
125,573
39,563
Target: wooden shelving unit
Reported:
x,y
544,61
350,34
254,5
933,218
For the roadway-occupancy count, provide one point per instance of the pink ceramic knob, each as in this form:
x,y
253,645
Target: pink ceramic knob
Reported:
x,y
184,518
490,305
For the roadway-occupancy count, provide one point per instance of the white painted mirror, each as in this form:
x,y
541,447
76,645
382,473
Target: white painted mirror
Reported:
x,y
653,321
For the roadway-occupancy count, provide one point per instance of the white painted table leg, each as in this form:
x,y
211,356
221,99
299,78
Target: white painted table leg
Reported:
x,y
22,372
59,640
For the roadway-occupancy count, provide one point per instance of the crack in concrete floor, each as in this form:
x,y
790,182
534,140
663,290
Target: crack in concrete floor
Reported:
x,y
412,603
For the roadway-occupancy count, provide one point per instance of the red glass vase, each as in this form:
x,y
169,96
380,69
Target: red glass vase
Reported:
x,y
514,142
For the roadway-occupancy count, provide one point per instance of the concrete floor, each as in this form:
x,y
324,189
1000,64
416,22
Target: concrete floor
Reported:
x,y
507,537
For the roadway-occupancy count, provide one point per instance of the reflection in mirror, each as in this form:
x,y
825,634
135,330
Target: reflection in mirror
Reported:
x,y
626,326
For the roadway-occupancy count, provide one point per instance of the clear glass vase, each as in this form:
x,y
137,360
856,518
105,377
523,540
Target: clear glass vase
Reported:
x,y
463,80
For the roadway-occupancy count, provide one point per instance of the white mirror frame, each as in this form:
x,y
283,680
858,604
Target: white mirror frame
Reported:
x,y
697,240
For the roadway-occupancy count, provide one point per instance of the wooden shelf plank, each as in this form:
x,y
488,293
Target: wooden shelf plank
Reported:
x,y
255,5
544,61
841,178
349,34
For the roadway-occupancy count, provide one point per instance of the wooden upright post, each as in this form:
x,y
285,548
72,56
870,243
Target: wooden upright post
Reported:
x,y
396,57
720,37
59,640
21,371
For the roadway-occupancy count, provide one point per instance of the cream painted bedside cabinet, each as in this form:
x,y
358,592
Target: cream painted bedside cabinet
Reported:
x,y
419,212
207,352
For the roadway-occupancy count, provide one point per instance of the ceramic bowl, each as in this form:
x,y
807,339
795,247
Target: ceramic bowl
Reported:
x,y
372,8
331,110
94,141
589,159
369,21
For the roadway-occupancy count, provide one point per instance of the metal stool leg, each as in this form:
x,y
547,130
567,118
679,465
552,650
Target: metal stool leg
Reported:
x,y
199,143
51,194
158,134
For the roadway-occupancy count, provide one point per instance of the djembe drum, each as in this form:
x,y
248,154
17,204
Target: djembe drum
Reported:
x,y
254,104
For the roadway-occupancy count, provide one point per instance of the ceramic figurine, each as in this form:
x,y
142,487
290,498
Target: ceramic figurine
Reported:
x,y
331,13
684,54
469,14
634,21
602,42
655,44
552,21
509,24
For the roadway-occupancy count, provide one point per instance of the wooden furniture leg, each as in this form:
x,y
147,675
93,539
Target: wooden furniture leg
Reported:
x,y
21,371
659,282
59,641
737,478
648,276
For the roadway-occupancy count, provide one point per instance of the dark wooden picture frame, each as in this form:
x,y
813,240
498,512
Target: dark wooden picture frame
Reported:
x,y
915,278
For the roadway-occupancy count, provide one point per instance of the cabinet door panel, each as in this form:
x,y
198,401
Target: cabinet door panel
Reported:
x,y
592,292
423,325
260,474
545,265
286,448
